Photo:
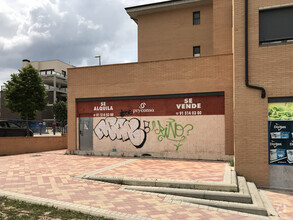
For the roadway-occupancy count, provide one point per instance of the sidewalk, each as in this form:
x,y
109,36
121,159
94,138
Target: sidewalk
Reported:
x,y
51,178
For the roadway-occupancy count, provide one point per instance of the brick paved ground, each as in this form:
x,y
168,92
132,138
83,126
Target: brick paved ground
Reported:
x,y
171,169
51,175
282,201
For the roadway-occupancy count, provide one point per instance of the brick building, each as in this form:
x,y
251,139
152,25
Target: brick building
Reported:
x,y
207,74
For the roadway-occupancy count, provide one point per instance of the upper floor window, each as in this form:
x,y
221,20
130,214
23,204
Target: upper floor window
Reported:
x,y
46,72
196,17
196,51
64,73
276,25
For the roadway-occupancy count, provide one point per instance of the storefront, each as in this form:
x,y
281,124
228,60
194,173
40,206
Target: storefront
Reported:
x,y
178,126
280,129
253,75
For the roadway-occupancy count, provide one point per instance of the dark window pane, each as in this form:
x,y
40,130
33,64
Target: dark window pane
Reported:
x,y
196,17
2,125
196,51
276,25
12,125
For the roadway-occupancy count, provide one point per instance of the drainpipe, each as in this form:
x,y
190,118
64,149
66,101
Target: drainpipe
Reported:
x,y
263,91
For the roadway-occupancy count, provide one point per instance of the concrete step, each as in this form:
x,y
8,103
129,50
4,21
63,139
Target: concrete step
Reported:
x,y
268,205
243,196
260,203
182,184
235,206
256,198
234,193
246,189
248,200
200,194
242,184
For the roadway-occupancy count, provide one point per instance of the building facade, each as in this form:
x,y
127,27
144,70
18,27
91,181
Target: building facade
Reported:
x,y
270,67
207,74
54,75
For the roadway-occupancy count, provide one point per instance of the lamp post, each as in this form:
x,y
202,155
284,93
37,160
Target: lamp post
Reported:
x,y
100,62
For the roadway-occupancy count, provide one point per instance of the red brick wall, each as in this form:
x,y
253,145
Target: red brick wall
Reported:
x,y
171,34
21,145
270,67
191,75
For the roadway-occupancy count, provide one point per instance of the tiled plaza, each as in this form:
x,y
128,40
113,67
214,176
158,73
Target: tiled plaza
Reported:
x,y
53,176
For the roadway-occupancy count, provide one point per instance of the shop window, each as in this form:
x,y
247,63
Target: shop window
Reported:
x,y
196,51
276,25
280,123
196,17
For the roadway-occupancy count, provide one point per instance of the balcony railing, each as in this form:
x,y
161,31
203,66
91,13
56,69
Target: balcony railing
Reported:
x,y
52,72
48,87
63,89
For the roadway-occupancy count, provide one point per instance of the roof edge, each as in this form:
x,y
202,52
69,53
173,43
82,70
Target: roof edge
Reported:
x,y
151,4
136,11
53,61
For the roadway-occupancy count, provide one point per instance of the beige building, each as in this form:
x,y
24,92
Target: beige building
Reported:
x,y
202,88
54,75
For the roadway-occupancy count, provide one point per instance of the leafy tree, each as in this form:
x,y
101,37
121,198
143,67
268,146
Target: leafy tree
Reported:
x,y
60,112
25,93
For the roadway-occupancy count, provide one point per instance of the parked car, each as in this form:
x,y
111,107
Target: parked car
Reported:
x,y
9,129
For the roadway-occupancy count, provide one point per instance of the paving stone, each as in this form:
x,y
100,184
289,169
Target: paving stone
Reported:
x,y
282,202
50,178
171,169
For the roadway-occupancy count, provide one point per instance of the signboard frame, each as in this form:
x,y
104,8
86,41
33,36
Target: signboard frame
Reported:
x,y
280,131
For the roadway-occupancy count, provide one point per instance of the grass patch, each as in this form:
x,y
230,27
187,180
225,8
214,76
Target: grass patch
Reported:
x,y
13,209
231,162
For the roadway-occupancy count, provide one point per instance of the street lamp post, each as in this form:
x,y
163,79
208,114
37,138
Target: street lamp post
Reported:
x,y
100,62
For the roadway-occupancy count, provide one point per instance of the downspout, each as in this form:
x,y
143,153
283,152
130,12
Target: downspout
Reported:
x,y
263,91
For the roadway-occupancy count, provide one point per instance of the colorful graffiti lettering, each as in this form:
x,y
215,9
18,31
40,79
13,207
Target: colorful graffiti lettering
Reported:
x,y
122,129
172,131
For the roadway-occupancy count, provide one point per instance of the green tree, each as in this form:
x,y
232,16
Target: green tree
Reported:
x,y
60,112
25,93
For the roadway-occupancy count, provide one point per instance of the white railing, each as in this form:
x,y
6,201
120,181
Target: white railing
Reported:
x,y
48,87
51,72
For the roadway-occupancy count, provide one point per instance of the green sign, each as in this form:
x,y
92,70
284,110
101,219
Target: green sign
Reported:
x,y
281,133
281,111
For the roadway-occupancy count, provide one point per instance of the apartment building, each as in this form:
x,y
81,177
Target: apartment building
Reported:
x,y
210,79
54,75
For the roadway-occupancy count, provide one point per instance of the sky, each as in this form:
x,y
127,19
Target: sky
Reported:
x,y
73,31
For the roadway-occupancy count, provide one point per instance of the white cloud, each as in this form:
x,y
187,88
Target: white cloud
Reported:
x,y
69,30
88,23
130,3
5,74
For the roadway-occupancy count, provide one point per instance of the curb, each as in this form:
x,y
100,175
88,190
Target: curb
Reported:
x,y
71,206
240,207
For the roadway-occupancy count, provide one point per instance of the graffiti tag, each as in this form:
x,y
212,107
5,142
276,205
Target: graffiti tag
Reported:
x,y
121,129
125,113
172,131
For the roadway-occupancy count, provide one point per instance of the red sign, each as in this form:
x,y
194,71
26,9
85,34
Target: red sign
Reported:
x,y
178,106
